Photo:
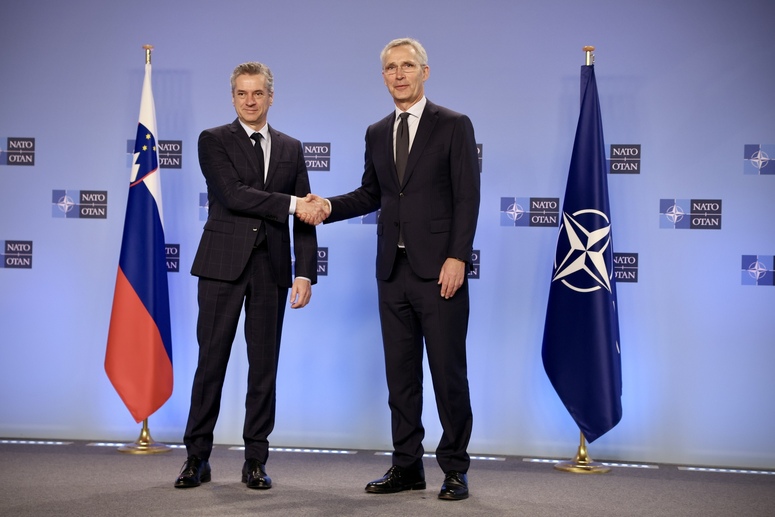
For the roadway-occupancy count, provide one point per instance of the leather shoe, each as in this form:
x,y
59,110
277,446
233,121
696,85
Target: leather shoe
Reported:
x,y
254,475
397,479
455,486
195,471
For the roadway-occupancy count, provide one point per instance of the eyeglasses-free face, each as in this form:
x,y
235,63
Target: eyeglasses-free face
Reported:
x,y
251,100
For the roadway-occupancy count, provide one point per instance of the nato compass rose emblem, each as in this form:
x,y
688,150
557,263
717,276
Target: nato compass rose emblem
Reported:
x,y
514,211
757,270
65,203
674,214
760,160
585,264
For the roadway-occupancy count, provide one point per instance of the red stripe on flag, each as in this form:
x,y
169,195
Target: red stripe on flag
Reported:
x,y
136,361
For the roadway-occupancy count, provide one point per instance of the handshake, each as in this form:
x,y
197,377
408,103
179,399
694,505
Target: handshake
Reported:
x,y
312,209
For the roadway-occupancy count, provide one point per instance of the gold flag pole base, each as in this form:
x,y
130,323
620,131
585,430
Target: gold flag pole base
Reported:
x,y
144,444
582,463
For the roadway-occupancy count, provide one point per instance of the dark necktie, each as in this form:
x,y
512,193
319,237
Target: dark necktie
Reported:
x,y
260,155
402,146
402,154
261,234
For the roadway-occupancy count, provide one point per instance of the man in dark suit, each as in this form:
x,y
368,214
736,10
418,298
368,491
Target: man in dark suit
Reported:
x,y
429,203
256,177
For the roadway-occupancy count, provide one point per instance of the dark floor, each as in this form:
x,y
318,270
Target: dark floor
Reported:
x,y
81,479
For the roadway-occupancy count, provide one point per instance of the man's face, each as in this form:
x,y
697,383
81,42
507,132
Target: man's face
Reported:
x,y
404,76
251,100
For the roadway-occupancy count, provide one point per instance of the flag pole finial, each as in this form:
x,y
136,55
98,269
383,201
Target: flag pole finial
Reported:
x,y
589,49
148,49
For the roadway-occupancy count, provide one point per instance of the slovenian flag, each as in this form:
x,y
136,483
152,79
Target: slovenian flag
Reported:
x,y
138,360
581,352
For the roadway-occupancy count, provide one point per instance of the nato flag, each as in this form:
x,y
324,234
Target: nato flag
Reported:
x,y
581,352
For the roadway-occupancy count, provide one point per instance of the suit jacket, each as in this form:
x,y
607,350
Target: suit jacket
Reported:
x,y
238,206
438,204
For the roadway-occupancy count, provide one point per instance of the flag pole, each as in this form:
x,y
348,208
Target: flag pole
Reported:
x,y
149,48
590,57
582,463
145,444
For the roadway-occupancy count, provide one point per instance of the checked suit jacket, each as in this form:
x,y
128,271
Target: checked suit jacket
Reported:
x,y
238,206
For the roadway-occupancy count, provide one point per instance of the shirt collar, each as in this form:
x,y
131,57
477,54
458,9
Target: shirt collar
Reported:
x,y
416,109
249,130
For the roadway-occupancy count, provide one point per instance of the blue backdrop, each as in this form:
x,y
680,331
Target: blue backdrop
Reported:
x,y
690,81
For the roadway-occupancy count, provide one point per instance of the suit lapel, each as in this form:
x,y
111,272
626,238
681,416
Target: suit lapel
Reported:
x,y
274,156
386,126
424,130
245,145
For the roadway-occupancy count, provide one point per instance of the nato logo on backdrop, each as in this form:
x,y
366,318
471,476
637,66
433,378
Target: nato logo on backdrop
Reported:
x,y
79,204
757,159
317,156
170,153
533,211
16,254
626,267
19,151
690,214
758,270
625,159
172,255
322,261
476,257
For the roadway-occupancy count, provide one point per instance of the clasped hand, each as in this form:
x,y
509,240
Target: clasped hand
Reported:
x,y
312,209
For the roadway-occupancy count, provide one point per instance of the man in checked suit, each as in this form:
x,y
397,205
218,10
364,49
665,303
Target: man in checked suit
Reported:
x,y
425,235
256,178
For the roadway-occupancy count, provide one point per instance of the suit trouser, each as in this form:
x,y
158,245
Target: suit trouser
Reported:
x,y
220,304
412,308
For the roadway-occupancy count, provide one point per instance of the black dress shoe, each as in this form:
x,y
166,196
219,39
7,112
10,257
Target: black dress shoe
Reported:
x,y
397,479
195,471
455,486
254,475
